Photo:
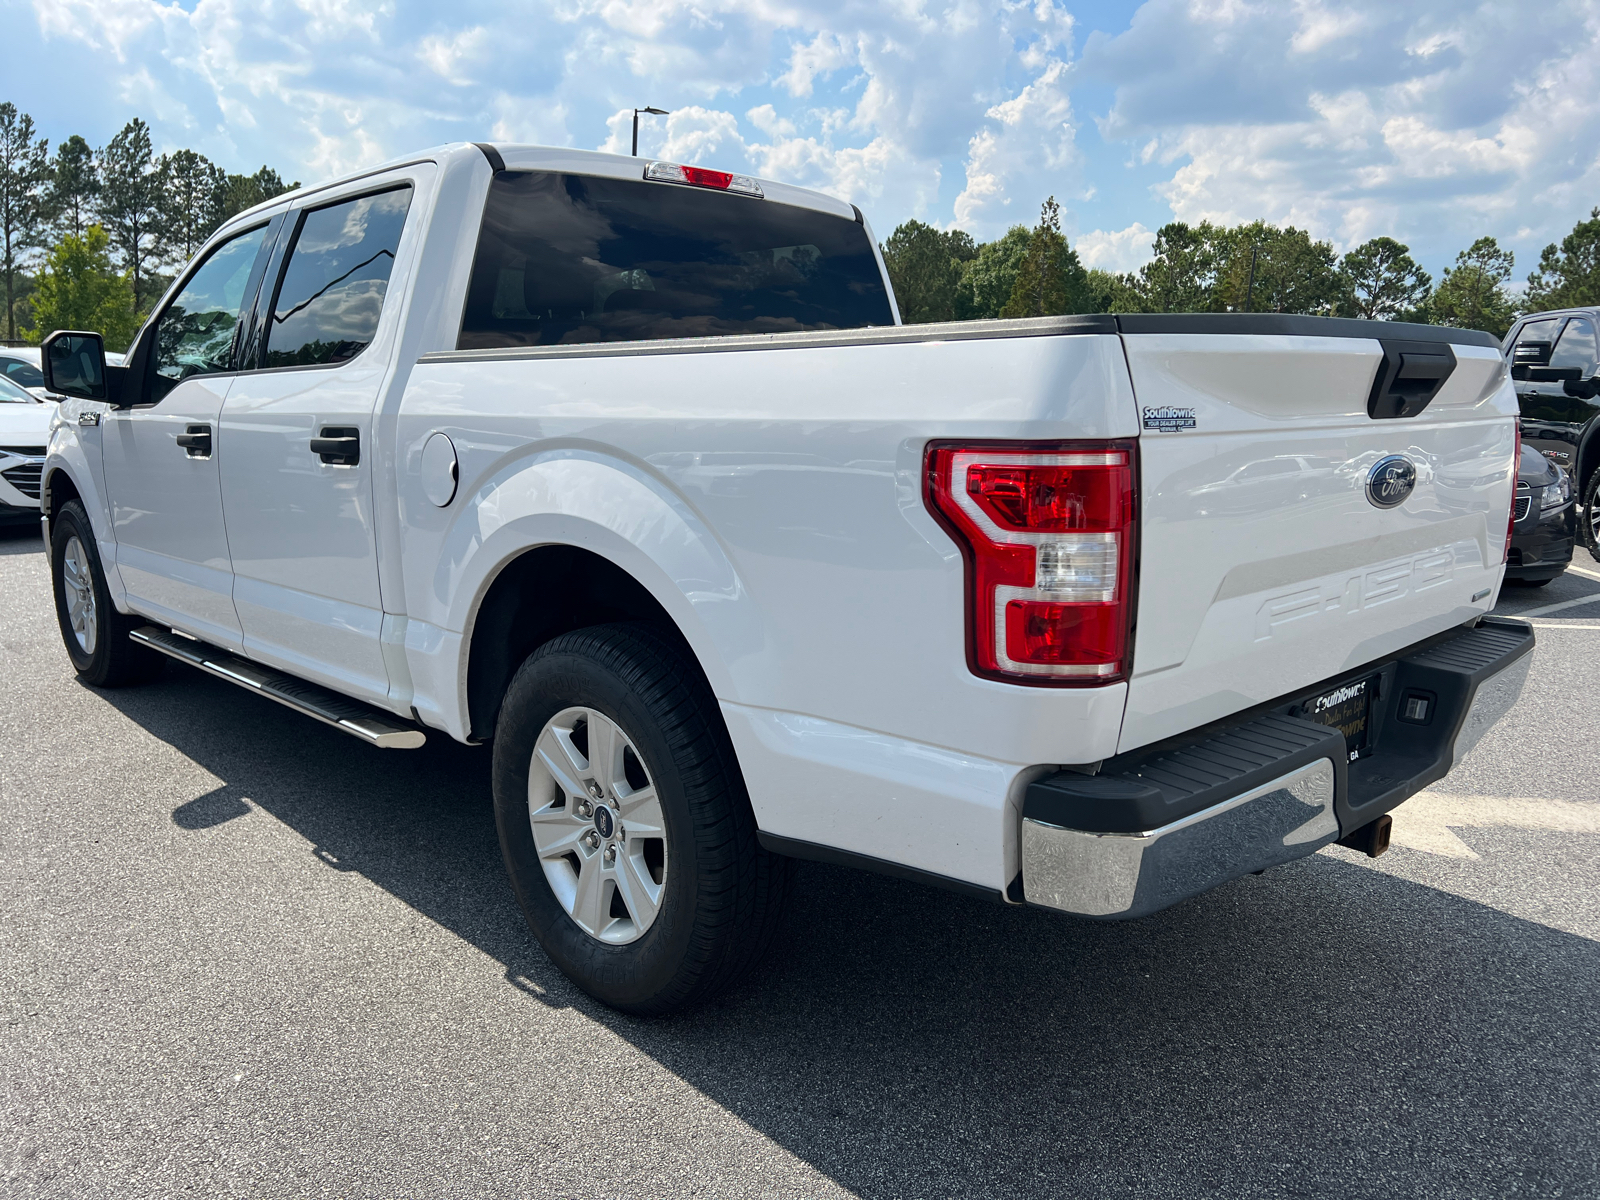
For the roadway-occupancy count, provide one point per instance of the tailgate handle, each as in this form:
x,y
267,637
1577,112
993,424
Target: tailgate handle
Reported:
x,y
1409,376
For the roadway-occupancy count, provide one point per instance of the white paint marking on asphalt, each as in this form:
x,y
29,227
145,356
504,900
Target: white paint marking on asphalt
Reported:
x,y
1550,608
1423,822
1561,625
1586,572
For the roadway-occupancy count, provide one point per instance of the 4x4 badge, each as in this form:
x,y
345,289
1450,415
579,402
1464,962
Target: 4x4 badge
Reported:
x,y
1391,480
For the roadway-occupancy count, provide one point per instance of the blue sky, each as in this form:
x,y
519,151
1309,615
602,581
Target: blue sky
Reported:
x,y
1434,121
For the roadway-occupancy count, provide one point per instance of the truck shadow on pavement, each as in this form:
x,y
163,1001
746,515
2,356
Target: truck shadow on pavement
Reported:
x,y
1321,1029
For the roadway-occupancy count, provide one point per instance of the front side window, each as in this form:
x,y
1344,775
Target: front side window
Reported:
x,y
22,373
1577,347
195,334
328,304
564,259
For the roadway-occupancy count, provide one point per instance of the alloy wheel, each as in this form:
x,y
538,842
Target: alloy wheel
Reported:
x,y
78,582
597,825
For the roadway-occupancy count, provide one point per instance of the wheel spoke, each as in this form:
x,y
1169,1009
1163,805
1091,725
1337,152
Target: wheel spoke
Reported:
x,y
605,752
588,903
557,832
640,893
557,755
641,814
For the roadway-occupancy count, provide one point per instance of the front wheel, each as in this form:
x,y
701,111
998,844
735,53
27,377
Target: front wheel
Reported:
x,y
1589,527
625,825
94,632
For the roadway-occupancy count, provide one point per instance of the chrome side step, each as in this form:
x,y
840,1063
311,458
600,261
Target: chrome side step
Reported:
x,y
371,725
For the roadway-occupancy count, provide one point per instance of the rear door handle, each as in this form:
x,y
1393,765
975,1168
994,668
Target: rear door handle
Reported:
x,y
339,445
196,441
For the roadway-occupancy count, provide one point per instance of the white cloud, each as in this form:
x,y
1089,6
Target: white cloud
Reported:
x,y
1116,250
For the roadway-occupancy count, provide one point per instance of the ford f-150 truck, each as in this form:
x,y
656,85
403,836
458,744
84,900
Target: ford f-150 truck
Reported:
x,y
630,469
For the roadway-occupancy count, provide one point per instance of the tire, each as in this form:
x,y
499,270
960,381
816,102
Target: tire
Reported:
x,y
1532,583
1589,519
690,902
94,632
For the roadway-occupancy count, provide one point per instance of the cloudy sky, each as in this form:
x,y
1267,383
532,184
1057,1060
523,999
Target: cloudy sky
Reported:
x,y
1434,121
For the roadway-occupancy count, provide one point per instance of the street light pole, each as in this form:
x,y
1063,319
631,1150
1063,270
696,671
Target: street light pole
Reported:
x,y
660,112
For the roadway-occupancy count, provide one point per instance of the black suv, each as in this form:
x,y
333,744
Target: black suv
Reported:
x,y
1555,359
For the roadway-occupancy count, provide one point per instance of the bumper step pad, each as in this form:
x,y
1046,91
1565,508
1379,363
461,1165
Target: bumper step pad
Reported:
x,y
362,721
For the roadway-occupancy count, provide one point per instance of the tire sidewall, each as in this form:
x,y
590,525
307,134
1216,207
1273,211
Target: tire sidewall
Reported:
x,y
637,974
72,522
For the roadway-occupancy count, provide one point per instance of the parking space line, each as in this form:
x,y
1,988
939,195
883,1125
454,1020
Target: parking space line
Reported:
x,y
1551,608
1561,625
1586,572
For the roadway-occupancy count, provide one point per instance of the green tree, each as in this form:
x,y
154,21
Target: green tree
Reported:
x,y
129,205
246,191
1292,273
74,186
1472,294
1383,283
1050,279
24,168
79,288
924,266
1113,293
190,192
988,280
1569,275
1181,274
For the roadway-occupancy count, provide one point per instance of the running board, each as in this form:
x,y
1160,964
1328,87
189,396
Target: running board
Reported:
x,y
371,725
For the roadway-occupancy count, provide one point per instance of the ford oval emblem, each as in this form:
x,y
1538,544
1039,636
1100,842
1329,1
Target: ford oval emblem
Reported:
x,y
1391,480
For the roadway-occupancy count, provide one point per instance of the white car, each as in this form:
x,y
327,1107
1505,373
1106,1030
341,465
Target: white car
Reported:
x,y
22,366
631,469
24,433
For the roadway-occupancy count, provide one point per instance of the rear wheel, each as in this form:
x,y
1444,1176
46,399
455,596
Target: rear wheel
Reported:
x,y
94,632
624,822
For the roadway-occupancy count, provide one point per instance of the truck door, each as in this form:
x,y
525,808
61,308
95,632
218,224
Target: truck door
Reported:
x,y
1553,420
296,431
161,455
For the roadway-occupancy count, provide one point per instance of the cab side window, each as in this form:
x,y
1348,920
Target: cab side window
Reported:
x,y
331,295
1577,347
195,334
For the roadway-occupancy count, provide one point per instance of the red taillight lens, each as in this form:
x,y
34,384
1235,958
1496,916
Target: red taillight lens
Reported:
x,y
1516,466
726,181
1048,531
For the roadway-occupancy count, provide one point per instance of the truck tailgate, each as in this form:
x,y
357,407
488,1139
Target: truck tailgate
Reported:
x,y
1265,564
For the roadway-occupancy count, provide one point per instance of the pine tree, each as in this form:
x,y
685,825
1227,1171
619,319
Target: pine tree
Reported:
x,y
246,191
74,186
24,168
129,200
1569,275
190,193
1472,294
1383,283
1050,279
924,267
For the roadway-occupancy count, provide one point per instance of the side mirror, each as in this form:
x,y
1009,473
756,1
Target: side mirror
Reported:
x,y
75,364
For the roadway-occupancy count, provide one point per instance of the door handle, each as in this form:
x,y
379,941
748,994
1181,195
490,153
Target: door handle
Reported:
x,y
196,441
339,446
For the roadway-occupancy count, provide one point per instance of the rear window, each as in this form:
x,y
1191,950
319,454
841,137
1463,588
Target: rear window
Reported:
x,y
566,259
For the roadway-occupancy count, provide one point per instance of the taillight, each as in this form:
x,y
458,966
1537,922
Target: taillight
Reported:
x,y
1516,468
665,172
1048,535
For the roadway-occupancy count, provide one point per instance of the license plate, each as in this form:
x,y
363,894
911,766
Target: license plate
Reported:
x,y
1348,709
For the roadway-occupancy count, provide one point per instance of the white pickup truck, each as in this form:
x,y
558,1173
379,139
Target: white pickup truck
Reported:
x,y
631,469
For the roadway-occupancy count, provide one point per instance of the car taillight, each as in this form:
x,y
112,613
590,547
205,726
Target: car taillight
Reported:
x,y
1048,535
665,172
1516,468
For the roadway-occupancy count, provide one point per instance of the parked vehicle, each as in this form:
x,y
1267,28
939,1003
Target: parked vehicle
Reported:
x,y
631,470
24,432
1543,523
23,367
1555,361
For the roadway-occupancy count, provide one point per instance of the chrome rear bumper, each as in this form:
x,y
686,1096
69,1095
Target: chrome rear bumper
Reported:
x,y
1168,822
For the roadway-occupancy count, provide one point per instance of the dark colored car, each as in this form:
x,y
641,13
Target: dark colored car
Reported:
x,y
1544,522
1555,361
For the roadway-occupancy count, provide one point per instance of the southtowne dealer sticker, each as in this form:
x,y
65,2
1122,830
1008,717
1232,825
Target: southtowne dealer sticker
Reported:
x,y
1167,419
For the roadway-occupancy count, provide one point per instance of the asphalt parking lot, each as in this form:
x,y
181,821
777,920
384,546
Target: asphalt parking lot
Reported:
x,y
241,954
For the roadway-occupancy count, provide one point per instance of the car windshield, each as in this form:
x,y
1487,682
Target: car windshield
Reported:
x,y
21,371
10,393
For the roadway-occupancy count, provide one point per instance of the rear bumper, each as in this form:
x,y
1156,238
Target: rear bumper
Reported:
x,y
1541,544
1172,820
